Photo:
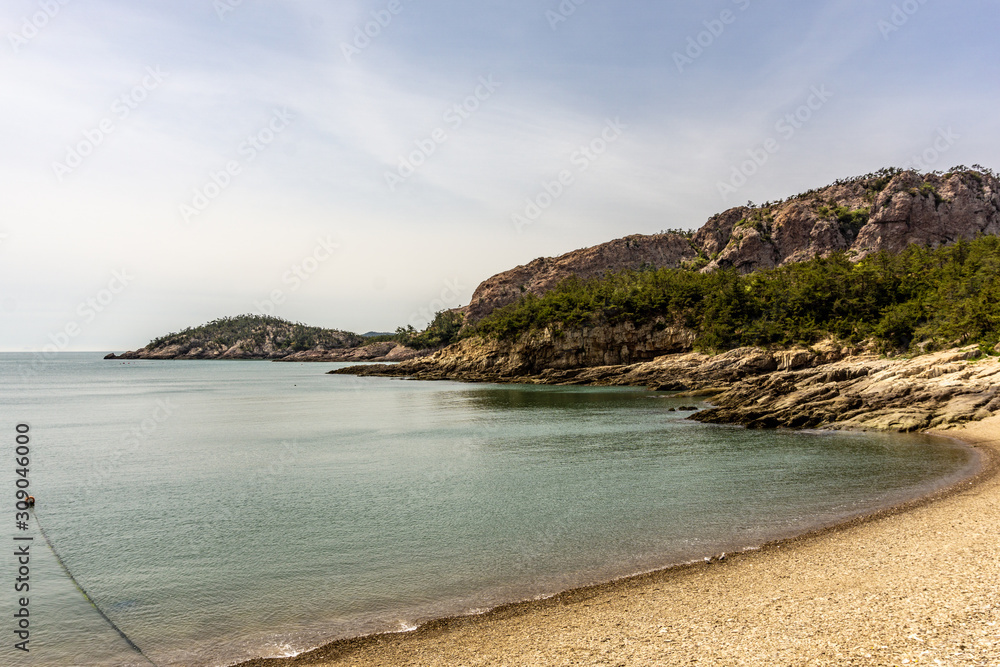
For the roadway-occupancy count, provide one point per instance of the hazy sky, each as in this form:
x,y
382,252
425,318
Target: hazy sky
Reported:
x,y
360,165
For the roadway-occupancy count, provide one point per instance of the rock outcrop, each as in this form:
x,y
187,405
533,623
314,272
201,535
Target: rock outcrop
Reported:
x,y
479,360
373,352
541,275
826,386
387,351
543,351
201,349
931,210
867,393
885,211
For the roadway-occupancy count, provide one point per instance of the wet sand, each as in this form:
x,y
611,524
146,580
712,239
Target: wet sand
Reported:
x,y
914,585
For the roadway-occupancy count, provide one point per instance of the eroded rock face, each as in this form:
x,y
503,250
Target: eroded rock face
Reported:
x,y
748,250
384,351
714,235
860,217
541,275
932,210
544,360
547,350
867,393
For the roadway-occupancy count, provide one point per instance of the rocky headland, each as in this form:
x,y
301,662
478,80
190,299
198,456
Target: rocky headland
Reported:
x,y
825,385
247,350
888,210
268,338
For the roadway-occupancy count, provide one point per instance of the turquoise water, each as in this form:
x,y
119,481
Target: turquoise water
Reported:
x,y
218,511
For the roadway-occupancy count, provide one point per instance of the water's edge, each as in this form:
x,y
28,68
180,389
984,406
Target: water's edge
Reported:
x,y
984,464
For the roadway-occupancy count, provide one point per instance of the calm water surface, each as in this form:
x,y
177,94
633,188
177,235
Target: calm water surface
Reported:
x,y
222,510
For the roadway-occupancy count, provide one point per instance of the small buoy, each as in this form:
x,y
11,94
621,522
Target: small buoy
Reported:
x,y
30,500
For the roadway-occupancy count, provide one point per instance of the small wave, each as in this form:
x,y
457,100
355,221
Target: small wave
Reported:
x,y
282,651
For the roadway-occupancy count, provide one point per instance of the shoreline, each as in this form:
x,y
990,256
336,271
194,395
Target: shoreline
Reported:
x,y
823,387
566,629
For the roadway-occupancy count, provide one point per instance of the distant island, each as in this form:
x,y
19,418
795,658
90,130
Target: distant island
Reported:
x,y
268,337
866,271
265,337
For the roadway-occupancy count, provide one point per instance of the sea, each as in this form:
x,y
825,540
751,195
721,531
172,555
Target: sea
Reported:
x,y
208,512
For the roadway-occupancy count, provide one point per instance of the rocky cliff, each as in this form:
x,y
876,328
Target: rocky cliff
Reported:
x,y
488,359
859,216
888,210
539,276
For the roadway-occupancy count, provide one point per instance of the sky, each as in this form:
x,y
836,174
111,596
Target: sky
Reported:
x,y
363,164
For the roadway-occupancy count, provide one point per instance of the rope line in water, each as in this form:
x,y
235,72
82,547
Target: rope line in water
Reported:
x,y
80,588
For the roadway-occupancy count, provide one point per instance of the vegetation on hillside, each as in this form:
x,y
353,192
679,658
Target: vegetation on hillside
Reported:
x,y
921,298
258,330
443,330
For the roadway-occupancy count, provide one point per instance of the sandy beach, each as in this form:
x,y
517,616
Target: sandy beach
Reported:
x,y
917,585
